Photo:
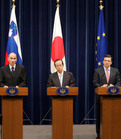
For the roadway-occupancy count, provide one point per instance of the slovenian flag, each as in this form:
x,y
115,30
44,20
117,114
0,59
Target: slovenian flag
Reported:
x,y
57,51
13,44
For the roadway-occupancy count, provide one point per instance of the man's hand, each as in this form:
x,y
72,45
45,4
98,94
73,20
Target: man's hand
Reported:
x,y
111,85
5,86
67,86
105,85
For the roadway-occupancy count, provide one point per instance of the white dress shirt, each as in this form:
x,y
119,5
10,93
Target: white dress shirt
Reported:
x,y
60,77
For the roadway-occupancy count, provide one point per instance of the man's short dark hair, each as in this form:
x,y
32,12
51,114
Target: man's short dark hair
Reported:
x,y
109,56
58,60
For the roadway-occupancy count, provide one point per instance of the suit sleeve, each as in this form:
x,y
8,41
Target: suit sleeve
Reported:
x,y
50,82
118,78
96,80
23,82
72,80
1,78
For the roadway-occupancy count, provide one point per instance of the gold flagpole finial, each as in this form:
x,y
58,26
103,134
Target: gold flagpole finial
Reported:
x,y
101,6
58,3
13,3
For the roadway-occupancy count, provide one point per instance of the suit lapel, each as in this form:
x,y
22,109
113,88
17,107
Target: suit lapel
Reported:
x,y
64,78
8,70
102,72
111,74
57,79
16,71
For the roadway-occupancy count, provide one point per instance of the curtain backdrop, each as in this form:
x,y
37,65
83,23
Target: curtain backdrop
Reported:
x,y
79,21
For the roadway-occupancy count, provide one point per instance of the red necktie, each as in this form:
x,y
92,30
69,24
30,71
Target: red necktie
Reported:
x,y
107,75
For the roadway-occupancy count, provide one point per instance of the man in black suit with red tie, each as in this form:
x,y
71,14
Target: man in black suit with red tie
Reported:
x,y
103,77
12,75
61,78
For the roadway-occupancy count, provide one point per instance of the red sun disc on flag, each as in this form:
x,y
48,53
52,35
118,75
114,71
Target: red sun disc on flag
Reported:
x,y
57,49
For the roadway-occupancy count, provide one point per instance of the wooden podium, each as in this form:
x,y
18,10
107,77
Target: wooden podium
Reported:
x,y
12,111
110,124
62,113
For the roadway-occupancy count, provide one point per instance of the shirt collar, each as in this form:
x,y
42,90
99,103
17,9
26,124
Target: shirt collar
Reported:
x,y
12,66
60,74
106,68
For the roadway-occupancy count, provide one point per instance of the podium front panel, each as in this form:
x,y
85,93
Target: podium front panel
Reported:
x,y
62,115
110,117
12,110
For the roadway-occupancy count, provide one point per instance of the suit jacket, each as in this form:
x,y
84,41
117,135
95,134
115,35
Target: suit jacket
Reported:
x,y
68,80
17,79
100,77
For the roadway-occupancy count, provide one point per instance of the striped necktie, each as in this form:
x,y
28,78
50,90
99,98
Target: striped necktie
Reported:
x,y
107,75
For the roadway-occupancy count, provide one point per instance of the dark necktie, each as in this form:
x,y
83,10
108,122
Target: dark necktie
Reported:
x,y
12,70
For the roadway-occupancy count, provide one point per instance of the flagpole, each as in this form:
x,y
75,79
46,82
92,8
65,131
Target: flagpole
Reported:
x,y
13,3
101,6
58,4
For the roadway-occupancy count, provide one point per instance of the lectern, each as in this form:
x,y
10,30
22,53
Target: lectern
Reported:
x,y
62,113
110,127
12,111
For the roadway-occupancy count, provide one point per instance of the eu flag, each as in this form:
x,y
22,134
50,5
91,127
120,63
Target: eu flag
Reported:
x,y
101,46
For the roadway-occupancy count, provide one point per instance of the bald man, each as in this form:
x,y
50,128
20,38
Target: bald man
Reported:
x,y
12,75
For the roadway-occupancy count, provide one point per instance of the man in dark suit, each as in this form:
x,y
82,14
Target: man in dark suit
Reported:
x,y
61,78
103,77
12,75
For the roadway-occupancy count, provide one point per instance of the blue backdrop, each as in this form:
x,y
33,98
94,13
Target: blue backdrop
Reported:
x,y
79,19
